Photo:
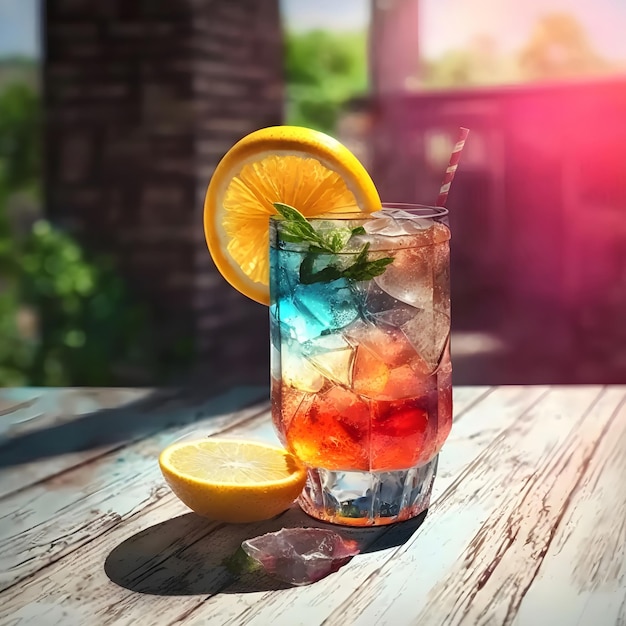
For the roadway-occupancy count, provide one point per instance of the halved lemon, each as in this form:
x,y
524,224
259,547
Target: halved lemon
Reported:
x,y
300,167
231,480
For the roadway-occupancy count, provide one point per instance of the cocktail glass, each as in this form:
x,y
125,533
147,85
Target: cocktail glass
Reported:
x,y
361,372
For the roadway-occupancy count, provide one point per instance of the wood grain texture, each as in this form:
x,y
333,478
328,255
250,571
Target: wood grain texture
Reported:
x,y
582,578
476,559
528,510
41,524
493,413
28,409
55,520
60,429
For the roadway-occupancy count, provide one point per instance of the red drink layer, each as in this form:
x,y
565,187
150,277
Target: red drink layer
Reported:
x,y
339,429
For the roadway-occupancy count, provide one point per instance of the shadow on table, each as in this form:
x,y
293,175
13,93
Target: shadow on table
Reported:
x,y
110,426
190,555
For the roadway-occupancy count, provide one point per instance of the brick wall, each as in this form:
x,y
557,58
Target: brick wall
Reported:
x,y
143,97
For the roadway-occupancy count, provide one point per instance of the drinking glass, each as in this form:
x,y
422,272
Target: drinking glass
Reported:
x,y
360,363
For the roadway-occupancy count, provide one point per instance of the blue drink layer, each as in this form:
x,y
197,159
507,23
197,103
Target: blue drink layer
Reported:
x,y
308,311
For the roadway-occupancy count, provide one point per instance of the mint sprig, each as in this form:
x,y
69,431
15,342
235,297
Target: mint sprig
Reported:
x,y
295,228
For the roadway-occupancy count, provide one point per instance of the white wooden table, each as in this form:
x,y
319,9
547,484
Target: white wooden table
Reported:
x,y
527,525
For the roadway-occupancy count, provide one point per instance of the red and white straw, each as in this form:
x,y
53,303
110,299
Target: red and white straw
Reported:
x,y
452,165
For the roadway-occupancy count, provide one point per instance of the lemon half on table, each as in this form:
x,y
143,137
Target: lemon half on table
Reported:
x,y
232,480
297,166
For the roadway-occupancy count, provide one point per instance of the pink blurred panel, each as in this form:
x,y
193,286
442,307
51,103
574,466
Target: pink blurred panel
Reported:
x,y
538,206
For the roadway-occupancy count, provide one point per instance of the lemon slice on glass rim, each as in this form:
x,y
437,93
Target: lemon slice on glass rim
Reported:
x,y
301,167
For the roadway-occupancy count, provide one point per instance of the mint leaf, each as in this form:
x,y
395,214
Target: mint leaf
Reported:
x,y
295,233
308,275
362,258
368,269
295,228
326,275
338,239
291,214
295,223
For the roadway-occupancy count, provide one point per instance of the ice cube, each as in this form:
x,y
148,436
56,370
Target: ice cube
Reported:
x,y
386,343
284,273
383,364
384,225
379,306
387,364
441,278
374,379
332,431
301,556
410,277
428,332
396,223
321,307
296,371
333,356
370,374
287,402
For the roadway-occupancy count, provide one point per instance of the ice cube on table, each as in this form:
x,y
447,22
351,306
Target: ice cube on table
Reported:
x,y
301,556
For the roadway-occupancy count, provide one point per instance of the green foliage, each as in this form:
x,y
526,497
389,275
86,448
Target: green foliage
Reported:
x,y
65,318
19,69
323,70
20,136
88,323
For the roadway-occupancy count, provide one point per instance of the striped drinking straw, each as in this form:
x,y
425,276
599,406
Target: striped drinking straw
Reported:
x,y
452,165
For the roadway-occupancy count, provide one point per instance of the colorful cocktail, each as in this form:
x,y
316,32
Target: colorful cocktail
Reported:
x,y
361,374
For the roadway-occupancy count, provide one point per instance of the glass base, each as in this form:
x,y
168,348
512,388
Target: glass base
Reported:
x,y
368,498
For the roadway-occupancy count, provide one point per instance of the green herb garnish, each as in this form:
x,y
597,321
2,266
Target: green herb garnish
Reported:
x,y
240,563
295,228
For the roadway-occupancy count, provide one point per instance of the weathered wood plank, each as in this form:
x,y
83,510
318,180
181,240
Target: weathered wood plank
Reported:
x,y
464,397
28,409
159,511
582,579
54,446
43,523
474,559
38,522
471,434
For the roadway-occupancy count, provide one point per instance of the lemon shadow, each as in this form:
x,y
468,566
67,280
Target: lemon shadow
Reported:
x,y
190,555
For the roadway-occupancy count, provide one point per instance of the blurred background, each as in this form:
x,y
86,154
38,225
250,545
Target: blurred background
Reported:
x,y
113,115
